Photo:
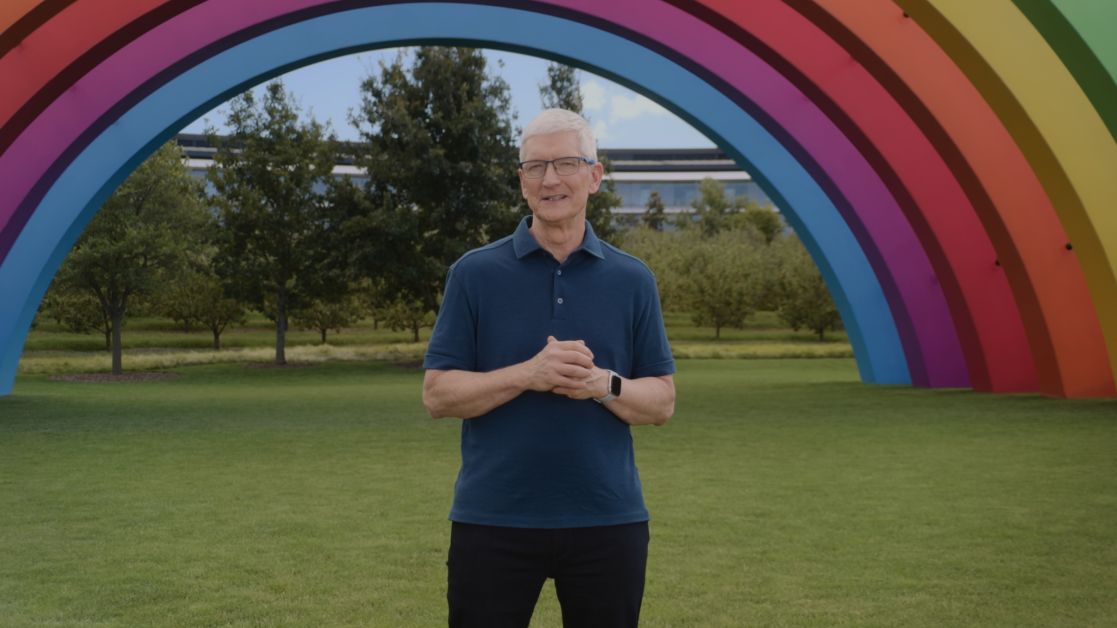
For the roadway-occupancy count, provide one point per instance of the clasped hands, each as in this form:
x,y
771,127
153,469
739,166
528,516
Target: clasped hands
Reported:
x,y
565,367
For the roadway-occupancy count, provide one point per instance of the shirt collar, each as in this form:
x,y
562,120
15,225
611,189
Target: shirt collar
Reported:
x,y
523,243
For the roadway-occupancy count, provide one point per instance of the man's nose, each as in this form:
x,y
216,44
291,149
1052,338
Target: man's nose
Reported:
x,y
550,174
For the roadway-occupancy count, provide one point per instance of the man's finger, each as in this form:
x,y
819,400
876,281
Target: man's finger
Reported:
x,y
575,345
575,357
573,372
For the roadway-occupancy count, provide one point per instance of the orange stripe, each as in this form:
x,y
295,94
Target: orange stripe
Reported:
x,y
11,11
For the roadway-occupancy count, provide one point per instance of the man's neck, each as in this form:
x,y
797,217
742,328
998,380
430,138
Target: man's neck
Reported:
x,y
561,239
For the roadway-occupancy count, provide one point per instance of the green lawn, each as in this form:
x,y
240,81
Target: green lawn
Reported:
x,y
783,493
259,332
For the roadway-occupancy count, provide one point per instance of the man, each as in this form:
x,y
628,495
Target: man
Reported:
x,y
550,343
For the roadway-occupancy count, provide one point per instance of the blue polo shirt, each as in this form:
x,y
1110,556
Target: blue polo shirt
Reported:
x,y
544,460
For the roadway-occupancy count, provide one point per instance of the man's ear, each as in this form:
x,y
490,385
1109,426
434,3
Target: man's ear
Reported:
x,y
597,172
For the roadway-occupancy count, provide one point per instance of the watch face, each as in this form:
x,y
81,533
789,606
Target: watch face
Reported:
x,y
615,385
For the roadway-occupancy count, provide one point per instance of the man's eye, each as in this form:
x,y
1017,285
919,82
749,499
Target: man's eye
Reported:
x,y
567,163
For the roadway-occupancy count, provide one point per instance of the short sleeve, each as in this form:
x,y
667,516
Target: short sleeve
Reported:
x,y
453,343
651,356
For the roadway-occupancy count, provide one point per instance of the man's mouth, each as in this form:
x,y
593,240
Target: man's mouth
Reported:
x,y
554,198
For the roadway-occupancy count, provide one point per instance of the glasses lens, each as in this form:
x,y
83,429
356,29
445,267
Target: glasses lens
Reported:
x,y
566,165
534,169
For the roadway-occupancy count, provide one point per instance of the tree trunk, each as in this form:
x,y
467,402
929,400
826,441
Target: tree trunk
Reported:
x,y
281,328
186,325
323,335
717,331
375,324
216,340
117,366
415,331
108,339
822,335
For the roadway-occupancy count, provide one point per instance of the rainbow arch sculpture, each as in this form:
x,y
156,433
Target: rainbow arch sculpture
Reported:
x,y
947,163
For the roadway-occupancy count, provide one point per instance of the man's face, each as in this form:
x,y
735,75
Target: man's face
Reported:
x,y
553,198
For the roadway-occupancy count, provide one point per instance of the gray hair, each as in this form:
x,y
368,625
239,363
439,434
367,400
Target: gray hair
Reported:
x,y
557,121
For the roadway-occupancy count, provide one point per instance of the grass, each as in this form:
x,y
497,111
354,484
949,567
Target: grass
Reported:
x,y
100,362
257,333
51,348
783,493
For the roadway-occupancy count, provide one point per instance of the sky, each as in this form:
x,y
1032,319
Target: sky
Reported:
x,y
620,117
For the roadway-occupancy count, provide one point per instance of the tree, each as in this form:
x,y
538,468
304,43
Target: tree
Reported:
x,y
440,154
405,314
178,300
563,91
720,279
764,219
80,311
323,315
142,232
563,88
803,300
662,252
209,302
275,226
712,209
655,213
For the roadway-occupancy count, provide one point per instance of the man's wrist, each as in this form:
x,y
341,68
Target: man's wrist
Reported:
x,y
604,391
600,383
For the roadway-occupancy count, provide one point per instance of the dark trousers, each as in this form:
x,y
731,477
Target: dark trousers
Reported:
x,y
496,574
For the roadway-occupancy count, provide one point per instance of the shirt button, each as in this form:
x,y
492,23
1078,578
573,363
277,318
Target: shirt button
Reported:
x,y
560,301
560,272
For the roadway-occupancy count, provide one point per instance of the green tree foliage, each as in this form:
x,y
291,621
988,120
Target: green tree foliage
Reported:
x,y
405,314
80,311
200,296
323,315
143,232
723,277
714,211
441,156
275,227
655,215
563,91
764,219
720,277
563,88
662,252
803,301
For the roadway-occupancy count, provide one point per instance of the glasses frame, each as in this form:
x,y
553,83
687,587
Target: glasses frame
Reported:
x,y
552,164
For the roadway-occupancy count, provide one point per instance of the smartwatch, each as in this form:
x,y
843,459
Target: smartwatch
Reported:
x,y
614,388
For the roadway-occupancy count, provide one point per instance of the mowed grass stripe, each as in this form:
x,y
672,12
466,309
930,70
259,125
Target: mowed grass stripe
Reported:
x,y
783,493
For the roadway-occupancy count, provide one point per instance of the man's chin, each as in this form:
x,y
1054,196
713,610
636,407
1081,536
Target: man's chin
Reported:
x,y
558,214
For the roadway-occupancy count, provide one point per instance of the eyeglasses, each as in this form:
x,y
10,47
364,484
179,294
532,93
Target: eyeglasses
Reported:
x,y
535,169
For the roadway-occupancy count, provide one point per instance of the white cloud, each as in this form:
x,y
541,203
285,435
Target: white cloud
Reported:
x,y
635,106
601,130
593,95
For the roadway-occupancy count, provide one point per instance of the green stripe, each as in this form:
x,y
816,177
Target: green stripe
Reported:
x,y
1081,34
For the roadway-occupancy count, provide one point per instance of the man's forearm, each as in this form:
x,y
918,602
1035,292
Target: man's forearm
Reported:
x,y
645,401
465,394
